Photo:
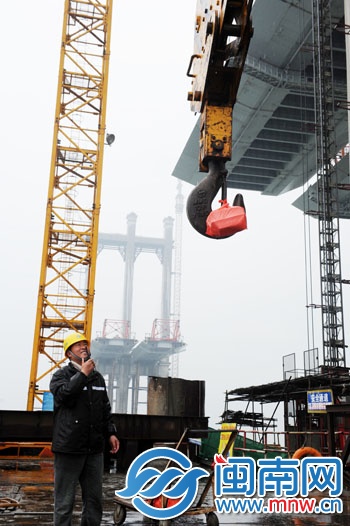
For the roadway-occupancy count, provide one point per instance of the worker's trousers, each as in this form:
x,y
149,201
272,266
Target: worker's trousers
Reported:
x,y
71,470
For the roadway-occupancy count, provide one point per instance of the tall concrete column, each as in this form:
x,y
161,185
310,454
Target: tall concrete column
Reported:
x,y
129,267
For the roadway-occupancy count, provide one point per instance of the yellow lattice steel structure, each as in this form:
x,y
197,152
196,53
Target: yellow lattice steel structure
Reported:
x,y
67,277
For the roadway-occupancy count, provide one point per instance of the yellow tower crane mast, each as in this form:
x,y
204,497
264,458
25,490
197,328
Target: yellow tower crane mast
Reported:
x,y
67,277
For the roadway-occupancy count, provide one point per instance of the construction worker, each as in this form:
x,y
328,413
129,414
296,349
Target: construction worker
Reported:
x,y
82,424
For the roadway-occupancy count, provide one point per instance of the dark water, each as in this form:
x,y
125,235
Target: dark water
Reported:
x,y
31,485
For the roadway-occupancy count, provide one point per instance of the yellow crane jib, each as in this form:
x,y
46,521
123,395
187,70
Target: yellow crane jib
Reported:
x,y
223,30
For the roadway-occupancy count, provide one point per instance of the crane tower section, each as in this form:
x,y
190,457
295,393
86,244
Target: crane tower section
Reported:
x,y
328,186
67,277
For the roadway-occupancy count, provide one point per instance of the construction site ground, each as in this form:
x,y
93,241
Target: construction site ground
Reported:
x,y
31,485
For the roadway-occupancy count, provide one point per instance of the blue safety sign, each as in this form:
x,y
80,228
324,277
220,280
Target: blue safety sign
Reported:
x,y
318,400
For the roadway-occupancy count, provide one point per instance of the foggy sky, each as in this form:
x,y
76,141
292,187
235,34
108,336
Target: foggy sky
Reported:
x,y
242,299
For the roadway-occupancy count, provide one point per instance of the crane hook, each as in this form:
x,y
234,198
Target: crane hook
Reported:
x,y
224,221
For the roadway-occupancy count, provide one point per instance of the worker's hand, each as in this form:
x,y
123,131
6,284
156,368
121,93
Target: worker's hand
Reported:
x,y
88,366
114,443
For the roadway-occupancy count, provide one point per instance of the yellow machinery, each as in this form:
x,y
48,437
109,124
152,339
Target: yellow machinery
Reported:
x,y
67,277
222,35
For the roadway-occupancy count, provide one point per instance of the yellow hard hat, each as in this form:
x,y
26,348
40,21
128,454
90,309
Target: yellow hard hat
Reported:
x,y
72,338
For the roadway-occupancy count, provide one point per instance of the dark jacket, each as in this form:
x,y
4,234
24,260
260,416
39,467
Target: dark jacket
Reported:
x,y
82,412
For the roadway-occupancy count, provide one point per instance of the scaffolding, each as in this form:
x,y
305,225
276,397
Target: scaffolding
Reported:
x,y
328,201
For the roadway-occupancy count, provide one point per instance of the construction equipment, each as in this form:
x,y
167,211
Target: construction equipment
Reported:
x,y
67,277
222,36
202,507
328,189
